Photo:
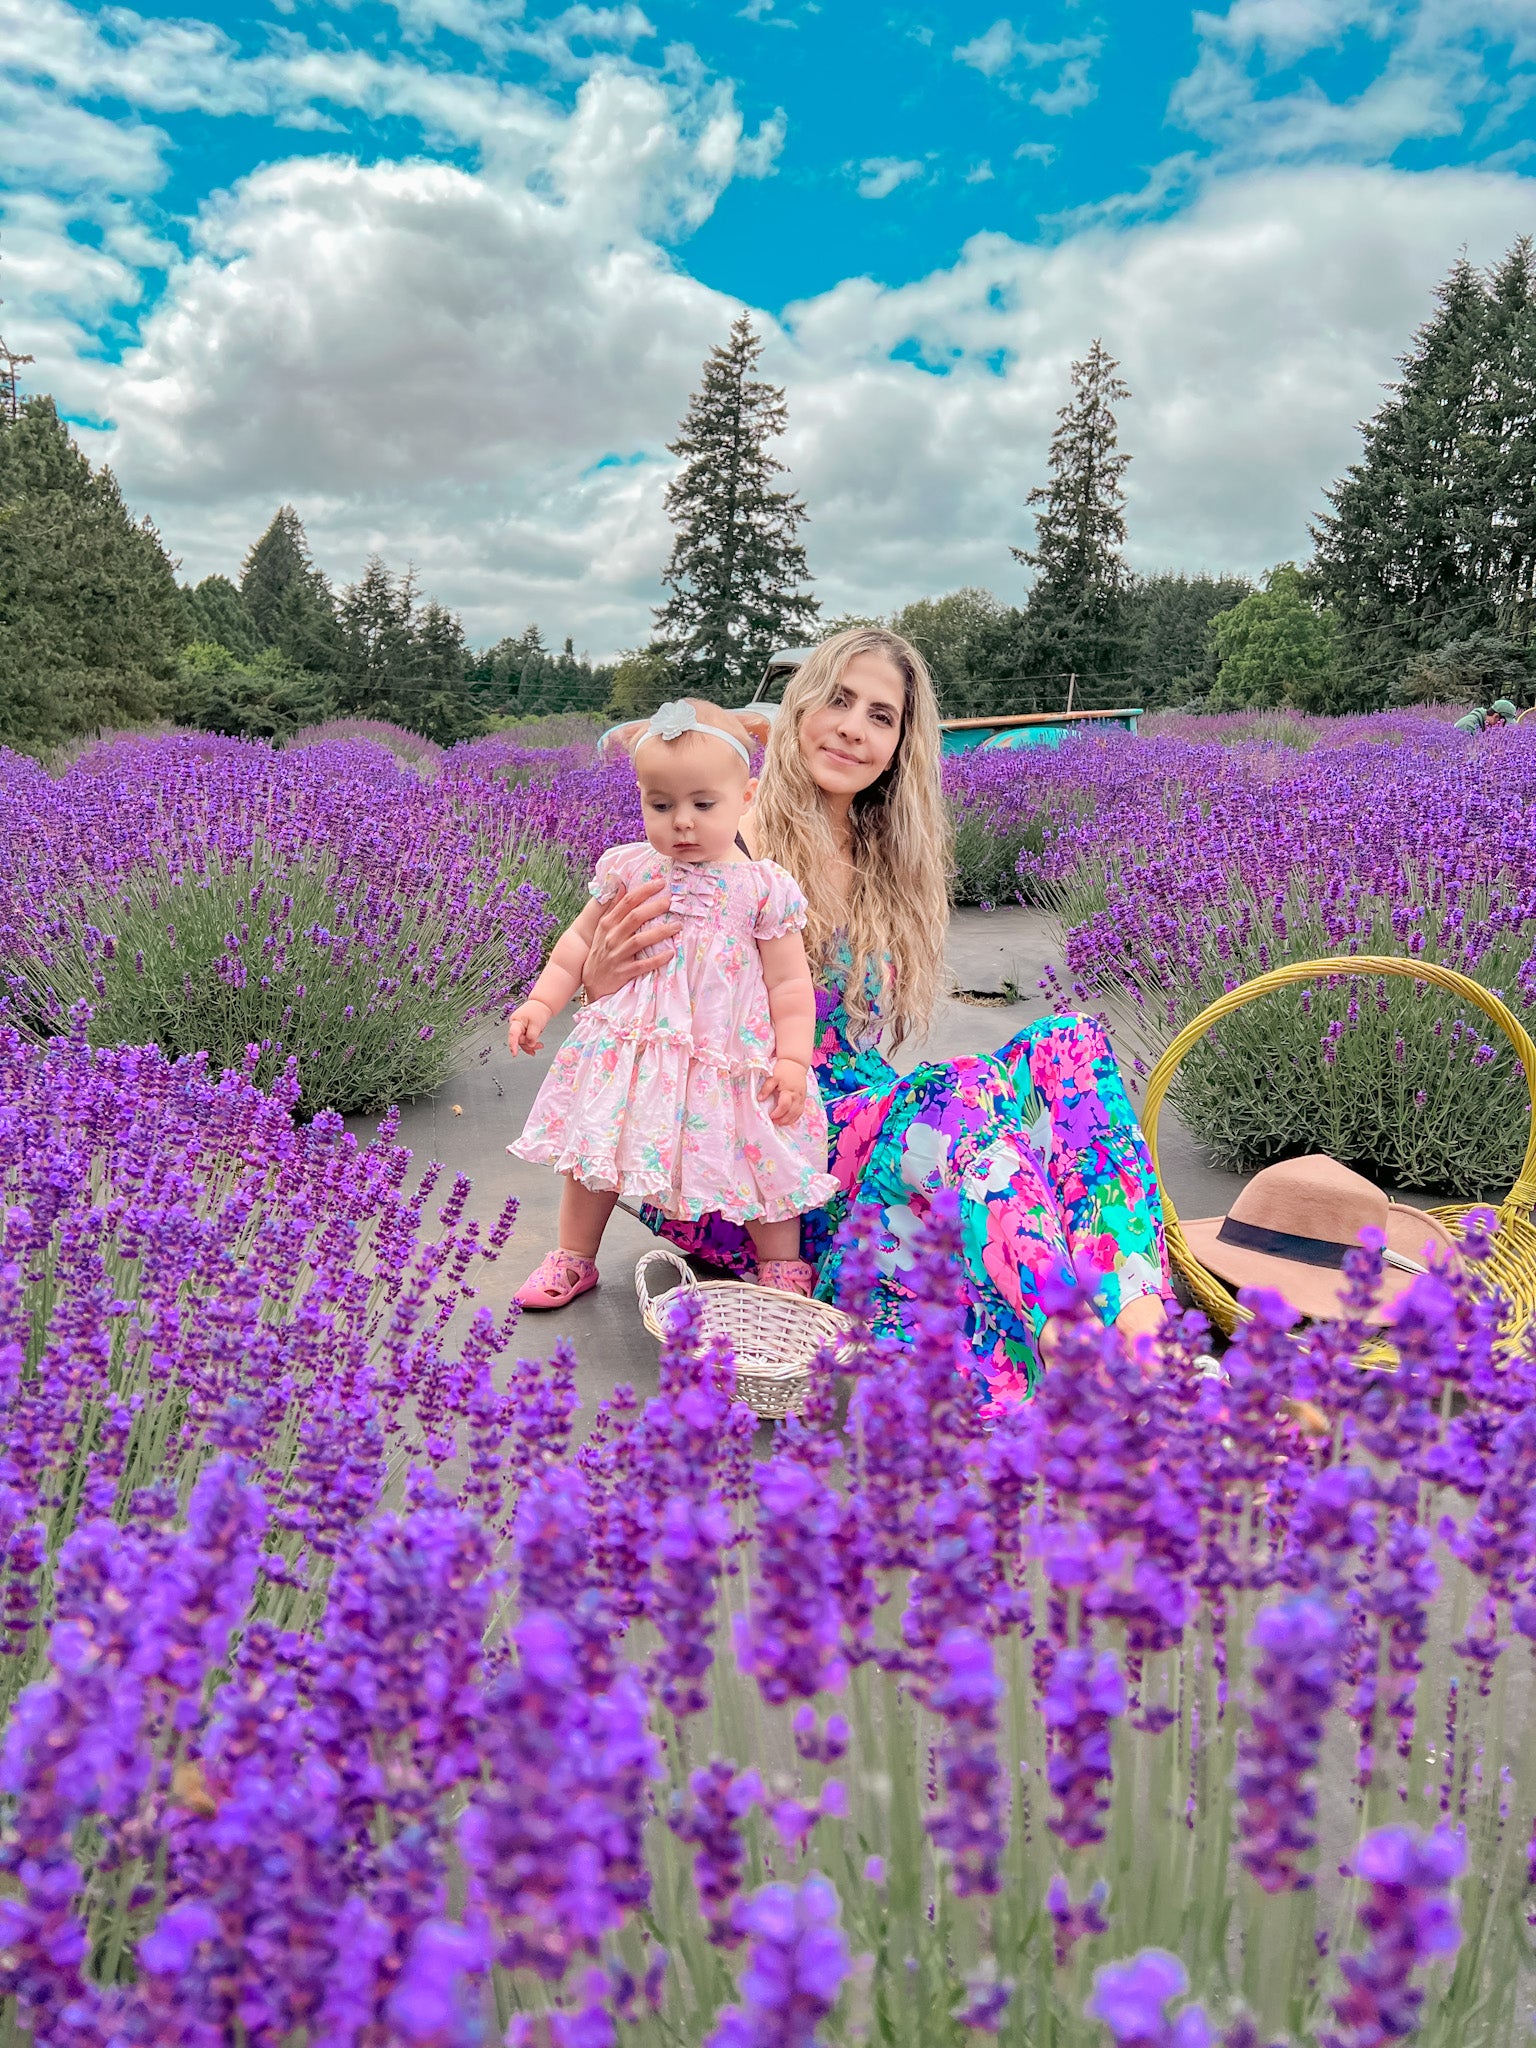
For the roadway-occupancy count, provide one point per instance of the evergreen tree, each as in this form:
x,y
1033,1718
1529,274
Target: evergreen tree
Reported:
x,y
375,616
1470,671
1074,618
91,620
1507,531
442,705
1403,555
286,596
216,613
263,698
403,662
736,568
1168,630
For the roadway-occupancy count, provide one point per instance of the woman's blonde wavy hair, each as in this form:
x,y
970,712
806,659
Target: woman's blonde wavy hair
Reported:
x,y
899,895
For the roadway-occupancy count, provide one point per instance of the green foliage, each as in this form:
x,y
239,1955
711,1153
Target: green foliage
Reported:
x,y
217,614
286,598
263,698
958,636
1168,625
91,620
1470,671
736,570
1276,647
644,679
403,661
1431,537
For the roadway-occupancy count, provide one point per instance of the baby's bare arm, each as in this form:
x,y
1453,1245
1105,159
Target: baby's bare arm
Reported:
x,y
555,986
791,997
562,971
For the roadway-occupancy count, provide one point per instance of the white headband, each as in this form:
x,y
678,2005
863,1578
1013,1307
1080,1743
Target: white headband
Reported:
x,y
671,721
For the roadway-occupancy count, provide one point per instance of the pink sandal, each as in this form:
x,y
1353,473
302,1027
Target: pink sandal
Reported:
x,y
786,1276
557,1280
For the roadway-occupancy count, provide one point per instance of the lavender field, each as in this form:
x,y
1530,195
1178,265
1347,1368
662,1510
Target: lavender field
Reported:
x,y
360,1690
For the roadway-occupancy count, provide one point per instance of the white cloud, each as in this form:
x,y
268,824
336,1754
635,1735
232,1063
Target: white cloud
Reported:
x,y
1447,68
995,52
981,173
1035,152
1072,90
1256,328
880,175
477,366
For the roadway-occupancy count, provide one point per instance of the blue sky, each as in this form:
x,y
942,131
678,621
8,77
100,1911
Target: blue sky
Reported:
x,y
442,272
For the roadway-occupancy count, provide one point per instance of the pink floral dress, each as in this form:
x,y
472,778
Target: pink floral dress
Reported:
x,y
658,1091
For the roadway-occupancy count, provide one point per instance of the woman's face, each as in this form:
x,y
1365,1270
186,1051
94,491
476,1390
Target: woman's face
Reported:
x,y
849,743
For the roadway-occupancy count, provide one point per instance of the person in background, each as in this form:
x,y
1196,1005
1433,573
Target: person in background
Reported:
x,y
1500,712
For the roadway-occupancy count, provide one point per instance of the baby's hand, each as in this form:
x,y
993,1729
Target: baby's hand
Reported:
x,y
525,1027
787,1084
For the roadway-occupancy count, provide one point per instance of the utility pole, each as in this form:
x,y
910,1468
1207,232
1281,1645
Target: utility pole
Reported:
x,y
10,389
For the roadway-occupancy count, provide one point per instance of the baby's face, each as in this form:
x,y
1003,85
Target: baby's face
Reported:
x,y
694,791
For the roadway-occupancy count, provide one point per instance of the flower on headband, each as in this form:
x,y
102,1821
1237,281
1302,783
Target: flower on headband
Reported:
x,y
671,721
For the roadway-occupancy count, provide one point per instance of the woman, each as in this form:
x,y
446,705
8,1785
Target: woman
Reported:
x,y
1038,1139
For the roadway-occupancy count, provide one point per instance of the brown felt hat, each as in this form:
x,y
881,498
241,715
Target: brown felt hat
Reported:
x,y
1291,1226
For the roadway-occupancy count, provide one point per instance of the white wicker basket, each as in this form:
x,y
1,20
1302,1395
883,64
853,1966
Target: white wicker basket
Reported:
x,y
774,1336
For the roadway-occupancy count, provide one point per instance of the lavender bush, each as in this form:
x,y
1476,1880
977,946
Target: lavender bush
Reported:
x,y
1182,866
325,904
352,1699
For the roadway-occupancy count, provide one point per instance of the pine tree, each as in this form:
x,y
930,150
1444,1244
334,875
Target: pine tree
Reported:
x,y
736,568
1403,554
1074,617
1168,630
91,620
217,614
1508,530
376,617
288,599
402,661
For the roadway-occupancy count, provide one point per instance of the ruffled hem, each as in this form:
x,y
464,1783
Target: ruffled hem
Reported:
x,y
602,1173
653,1038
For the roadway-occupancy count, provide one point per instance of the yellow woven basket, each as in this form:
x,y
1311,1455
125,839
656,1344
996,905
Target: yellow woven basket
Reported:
x,y
774,1335
1511,1269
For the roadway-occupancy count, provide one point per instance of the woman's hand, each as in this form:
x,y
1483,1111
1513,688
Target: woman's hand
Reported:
x,y
786,1084
634,922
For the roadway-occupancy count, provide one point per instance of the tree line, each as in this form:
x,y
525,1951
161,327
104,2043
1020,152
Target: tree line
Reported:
x,y
1421,583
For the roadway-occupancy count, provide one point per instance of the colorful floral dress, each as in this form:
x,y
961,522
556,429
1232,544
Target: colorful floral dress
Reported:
x,y
658,1091
1042,1145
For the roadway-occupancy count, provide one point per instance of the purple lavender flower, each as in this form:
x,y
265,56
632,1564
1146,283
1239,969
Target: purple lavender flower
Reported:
x,y
1072,1922
794,1971
1132,2000
969,1822
711,1820
1412,1920
790,1641
1300,1647
1085,1694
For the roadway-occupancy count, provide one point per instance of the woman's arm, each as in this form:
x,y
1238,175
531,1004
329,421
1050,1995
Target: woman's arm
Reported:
x,y
626,929
555,986
792,1006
